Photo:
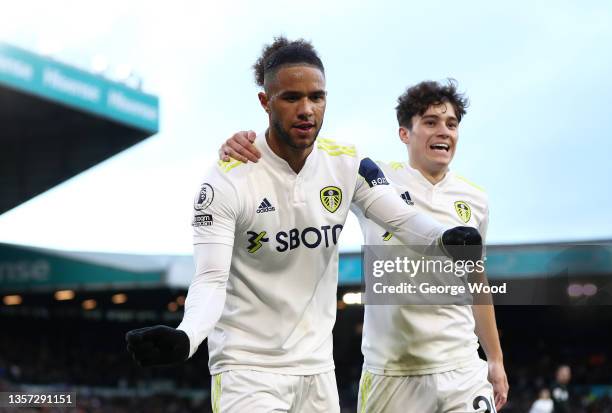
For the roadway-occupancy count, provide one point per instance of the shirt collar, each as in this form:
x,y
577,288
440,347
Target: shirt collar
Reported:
x,y
419,176
279,163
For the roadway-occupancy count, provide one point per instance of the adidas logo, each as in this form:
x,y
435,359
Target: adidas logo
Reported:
x,y
406,197
265,206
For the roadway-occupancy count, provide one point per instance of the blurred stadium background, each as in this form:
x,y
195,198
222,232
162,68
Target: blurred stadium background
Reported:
x,y
64,314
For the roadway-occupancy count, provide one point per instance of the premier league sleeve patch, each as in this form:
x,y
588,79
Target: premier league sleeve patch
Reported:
x,y
204,198
372,174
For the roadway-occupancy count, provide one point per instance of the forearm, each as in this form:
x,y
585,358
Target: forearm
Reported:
x,y
207,292
406,223
486,326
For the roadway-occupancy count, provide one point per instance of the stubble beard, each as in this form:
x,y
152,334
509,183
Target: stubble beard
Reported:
x,y
285,137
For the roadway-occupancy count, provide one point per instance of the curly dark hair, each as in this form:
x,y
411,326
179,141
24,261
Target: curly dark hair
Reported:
x,y
282,52
418,98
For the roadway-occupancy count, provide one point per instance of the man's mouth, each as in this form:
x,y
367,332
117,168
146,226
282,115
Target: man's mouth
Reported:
x,y
440,147
306,126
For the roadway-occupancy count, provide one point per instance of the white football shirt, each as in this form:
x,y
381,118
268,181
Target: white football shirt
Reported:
x,y
284,228
542,406
423,339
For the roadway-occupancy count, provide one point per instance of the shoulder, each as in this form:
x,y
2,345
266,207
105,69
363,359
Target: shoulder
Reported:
x,y
225,183
462,180
232,173
391,169
340,157
474,190
226,176
336,150
393,165
233,169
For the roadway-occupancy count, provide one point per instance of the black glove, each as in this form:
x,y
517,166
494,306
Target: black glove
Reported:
x,y
463,243
158,345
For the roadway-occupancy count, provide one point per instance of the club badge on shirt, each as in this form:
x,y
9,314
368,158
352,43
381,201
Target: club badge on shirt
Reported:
x,y
331,198
463,210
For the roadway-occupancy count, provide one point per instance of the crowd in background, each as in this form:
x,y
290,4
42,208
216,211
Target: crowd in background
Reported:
x,y
84,354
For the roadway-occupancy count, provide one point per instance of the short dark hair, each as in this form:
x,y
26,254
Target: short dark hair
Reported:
x,y
284,52
418,98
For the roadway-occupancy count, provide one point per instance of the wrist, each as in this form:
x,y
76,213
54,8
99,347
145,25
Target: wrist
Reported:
x,y
497,359
186,333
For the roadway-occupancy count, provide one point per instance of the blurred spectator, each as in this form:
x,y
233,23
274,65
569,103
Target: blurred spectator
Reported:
x,y
560,393
89,357
544,404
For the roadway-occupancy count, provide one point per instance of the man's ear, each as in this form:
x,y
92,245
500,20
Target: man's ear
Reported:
x,y
404,135
263,101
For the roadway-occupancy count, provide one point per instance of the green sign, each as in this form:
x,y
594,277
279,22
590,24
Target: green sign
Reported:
x,y
34,74
27,269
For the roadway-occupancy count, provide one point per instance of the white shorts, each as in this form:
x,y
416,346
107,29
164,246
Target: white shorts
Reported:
x,y
457,391
240,391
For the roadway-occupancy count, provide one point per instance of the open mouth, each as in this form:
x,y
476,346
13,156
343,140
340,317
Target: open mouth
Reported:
x,y
305,127
443,147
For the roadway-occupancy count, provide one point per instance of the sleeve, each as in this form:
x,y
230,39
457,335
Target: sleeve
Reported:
x,y
482,228
377,200
206,294
215,211
371,184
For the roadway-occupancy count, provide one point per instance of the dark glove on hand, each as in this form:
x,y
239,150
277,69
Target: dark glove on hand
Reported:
x,y
158,345
463,243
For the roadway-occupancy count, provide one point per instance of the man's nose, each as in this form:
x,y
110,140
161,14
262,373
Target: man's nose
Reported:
x,y
305,109
444,131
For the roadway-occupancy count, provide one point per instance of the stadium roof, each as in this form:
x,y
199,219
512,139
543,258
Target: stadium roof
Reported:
x,y
58,121
27,269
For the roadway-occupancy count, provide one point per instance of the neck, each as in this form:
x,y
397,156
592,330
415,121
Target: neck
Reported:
x,y
432,176
295,157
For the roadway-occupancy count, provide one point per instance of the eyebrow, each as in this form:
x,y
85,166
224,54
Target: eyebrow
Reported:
x,y
438,117
299,93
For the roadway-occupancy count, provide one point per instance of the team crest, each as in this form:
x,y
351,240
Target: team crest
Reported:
x,y
203,198
331,198
463,210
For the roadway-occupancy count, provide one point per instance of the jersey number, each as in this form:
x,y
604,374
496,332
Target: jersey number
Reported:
x,y
477,406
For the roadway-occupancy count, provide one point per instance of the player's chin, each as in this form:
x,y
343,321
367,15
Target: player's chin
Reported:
x,y
442,160
303,140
